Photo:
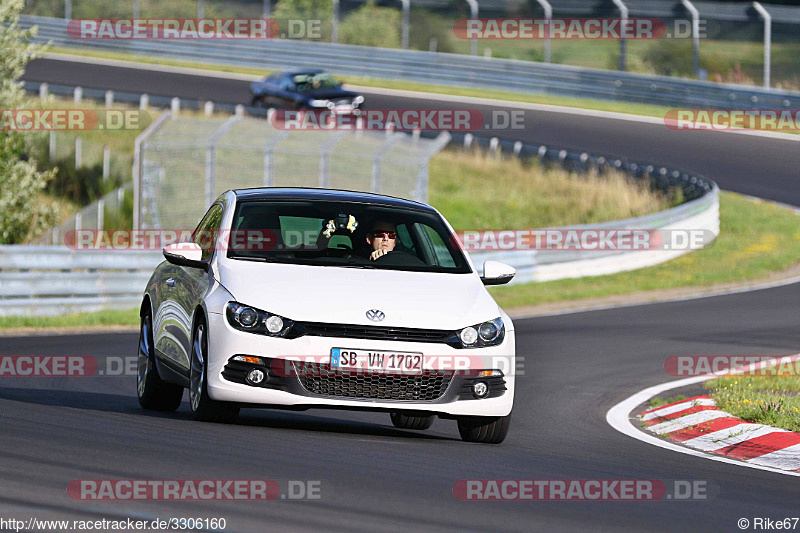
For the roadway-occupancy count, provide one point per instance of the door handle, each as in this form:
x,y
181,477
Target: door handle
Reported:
x,y
170,283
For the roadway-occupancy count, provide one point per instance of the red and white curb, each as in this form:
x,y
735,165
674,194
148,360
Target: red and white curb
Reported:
x,y
731,447
697,423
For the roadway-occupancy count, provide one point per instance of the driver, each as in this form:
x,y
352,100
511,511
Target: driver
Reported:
x,y
382,239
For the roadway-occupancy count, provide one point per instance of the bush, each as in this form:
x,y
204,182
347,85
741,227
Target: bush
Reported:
x,y
371,25
20,180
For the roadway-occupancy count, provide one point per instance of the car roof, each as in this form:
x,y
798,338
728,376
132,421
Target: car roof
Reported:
x,y
329,195
295,72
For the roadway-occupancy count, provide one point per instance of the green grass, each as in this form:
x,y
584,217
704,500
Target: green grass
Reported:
x,y
658,401
527,195
756,239
108,317
770,400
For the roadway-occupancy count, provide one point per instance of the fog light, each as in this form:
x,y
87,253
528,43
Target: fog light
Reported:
x,y
274,324
480,389
468,336
255,376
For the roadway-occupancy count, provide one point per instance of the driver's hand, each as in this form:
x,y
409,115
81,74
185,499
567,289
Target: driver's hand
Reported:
x,y
377,253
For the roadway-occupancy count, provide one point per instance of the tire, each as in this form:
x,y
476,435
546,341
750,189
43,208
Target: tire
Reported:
x,y
484,429
152,392
204,409
257,101
403,421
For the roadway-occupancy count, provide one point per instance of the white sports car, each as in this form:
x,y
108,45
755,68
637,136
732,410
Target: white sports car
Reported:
x,y
313,298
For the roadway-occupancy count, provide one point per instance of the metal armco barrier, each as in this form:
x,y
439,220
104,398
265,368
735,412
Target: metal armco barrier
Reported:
x,y
445,69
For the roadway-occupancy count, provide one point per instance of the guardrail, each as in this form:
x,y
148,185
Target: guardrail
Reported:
x,y
445,69
53,280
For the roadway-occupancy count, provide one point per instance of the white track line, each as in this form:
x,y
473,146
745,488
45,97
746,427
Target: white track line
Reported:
x,y
785,458
687,421
618,417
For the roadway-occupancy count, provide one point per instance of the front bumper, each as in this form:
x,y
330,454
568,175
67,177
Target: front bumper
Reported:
x,y
312,389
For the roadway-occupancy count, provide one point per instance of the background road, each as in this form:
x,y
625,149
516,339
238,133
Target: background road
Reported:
x,y
375,477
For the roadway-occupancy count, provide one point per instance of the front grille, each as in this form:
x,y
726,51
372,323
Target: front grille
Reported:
x,y
321,380
320,329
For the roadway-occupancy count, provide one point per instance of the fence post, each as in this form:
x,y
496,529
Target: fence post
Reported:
x,y
269,157
101,207
421,192
473,13
136,9
175,105
106,162
211,157
265,10
623,15
138,163
767,42
109,98
201,11
391,139
335,22
406,10
43,88
208,108
144,101
548,15
695,36
77,94
324,158
78,150
52,146
68,9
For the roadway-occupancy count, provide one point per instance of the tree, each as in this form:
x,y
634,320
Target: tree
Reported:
x,y
305,11
20,181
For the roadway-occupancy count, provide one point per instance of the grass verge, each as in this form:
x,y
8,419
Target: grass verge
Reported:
x,y
756,239
770,400
658,401
108,317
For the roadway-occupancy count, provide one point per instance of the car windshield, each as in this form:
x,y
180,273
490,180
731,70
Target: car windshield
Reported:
x,y
343,234
313,82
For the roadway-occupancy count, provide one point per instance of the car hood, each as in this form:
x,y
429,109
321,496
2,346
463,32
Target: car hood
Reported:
x,y
344,295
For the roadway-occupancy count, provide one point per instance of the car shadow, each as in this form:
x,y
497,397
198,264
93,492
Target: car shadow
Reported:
x,y
248,418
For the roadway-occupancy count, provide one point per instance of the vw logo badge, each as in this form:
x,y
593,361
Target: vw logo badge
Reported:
x,y
376,315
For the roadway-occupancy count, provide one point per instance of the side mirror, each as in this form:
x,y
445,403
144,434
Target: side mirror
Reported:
x,y
186,254
497,273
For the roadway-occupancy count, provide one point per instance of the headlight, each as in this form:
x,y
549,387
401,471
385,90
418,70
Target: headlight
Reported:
x,y
358,100
488,333
250,319
322,103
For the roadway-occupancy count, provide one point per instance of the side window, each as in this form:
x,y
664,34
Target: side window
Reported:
x,y
443,257
207,231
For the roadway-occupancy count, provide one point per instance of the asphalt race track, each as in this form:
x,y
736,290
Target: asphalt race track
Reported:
x,y
377,478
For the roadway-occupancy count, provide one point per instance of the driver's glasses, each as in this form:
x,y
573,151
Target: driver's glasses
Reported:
x,y
384,235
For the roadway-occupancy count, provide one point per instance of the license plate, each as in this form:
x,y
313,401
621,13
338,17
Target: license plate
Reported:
x,y
350,360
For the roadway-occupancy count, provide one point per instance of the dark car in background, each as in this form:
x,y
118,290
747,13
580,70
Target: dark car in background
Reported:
x,y
305,89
